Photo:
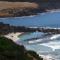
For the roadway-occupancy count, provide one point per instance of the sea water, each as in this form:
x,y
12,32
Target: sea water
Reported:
x,y
42,19
43,43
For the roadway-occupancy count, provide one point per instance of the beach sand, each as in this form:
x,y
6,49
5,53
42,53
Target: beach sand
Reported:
x,y
13,36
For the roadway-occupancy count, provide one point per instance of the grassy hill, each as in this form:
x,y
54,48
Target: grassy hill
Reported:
x,y
11,51
15,9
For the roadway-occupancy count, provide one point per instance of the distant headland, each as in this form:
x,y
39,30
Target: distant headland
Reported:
x,y
6,29
17,9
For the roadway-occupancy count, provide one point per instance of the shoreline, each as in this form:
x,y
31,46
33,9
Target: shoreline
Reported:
x,y
17,9
13,36
30,15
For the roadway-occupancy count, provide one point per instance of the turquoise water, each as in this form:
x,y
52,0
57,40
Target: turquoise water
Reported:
x,y
30,36
47,45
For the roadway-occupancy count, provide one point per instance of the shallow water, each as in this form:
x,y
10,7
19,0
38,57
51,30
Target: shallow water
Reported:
x,y
45,45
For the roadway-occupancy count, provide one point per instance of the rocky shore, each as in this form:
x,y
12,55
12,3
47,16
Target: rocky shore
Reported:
x,y
6,28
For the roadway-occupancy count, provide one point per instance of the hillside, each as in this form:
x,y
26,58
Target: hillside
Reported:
x,y
22,5
11,51
46,4
15,9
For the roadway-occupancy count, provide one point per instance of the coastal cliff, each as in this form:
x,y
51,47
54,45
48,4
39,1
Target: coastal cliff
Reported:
x,y
11,51
17,8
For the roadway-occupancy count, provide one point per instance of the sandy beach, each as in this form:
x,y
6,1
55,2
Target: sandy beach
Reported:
x,y
13,36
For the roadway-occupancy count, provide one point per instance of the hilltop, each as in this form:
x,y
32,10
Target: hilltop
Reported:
x,y
15,9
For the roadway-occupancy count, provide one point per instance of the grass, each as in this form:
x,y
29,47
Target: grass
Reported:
x,y
5,5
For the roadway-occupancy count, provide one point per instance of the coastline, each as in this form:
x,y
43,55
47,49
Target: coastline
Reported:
x,y
13,36
18,12
18,9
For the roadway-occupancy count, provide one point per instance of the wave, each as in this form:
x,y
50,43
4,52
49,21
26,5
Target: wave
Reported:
x,y
45,41
55,36
53,44
48,42
54,10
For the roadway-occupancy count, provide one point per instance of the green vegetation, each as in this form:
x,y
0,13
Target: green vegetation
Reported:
x,y
11,51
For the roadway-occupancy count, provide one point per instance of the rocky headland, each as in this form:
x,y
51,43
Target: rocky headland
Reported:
x,y
16,9
6,29
11,51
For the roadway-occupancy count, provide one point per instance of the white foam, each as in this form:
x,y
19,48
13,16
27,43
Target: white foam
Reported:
x,y
35,41
55,36
53,45
53,10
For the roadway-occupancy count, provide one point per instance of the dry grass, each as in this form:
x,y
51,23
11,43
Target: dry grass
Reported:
x,y
4,5
14,5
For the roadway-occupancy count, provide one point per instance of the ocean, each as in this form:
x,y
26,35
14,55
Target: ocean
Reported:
x,y
43,43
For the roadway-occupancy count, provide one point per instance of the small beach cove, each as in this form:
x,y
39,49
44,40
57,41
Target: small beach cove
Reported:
x,y
48,45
